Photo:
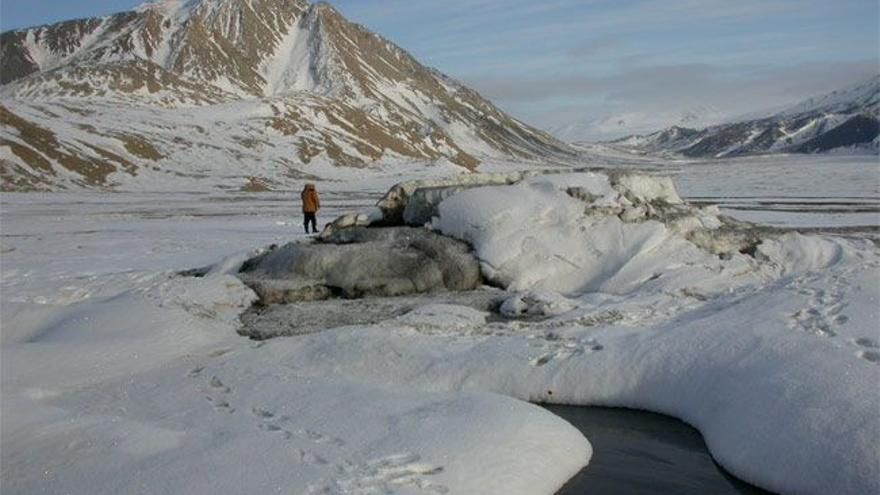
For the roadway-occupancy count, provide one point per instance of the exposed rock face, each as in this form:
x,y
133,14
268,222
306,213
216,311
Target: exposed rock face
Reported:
x,y
360,262
273,83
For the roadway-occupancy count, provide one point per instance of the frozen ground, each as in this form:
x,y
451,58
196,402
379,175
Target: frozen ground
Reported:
x,y
118,376
825,192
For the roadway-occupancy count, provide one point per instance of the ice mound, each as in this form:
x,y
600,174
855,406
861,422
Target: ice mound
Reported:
x,y
357,262
587,232
572,233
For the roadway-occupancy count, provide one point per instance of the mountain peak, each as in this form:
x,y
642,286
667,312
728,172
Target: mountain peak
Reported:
x,y
297,83
166,5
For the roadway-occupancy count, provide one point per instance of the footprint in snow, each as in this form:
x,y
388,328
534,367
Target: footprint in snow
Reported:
x,y
871,356
268,422
319,438
812,321
868,349
310,458
561,348
382,475
824,311
218,385
220,405
219,352
865,342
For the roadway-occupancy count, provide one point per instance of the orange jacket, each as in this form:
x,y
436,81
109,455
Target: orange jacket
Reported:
x,y
310,201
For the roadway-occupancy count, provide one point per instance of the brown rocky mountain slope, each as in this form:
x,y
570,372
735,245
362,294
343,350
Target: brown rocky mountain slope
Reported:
x,y
270,88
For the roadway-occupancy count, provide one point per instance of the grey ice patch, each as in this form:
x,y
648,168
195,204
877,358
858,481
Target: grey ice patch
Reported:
x,y
360,262
301,318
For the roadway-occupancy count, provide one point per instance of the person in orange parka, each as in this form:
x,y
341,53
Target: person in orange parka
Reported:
x,y
311,205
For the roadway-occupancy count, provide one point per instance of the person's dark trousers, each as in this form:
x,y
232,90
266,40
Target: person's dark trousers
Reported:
x,y
310,218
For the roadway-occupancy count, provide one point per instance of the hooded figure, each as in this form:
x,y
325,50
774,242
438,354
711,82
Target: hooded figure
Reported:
x,y
311,205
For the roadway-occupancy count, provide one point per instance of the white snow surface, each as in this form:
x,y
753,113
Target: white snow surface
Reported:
x,y
119,376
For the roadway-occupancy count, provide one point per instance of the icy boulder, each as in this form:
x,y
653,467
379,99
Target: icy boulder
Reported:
x,y
570,232
631,196
357,262
640,188
395,201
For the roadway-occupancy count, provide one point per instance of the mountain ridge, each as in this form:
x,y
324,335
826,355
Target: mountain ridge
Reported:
x,y
335,91
847,118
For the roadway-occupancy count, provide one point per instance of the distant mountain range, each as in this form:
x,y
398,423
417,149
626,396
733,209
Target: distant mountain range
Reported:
x,y
633,123
844,120
241,90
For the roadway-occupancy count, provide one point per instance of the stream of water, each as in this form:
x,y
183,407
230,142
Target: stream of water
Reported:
x,y
642,453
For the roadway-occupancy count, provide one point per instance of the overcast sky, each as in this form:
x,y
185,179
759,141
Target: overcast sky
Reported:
x,y
552,62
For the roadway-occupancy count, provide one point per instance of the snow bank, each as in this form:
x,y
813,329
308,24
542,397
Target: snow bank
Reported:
x,y
535,235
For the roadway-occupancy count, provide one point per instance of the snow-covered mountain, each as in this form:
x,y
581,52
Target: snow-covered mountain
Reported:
x,y
847,119
631,123
232,88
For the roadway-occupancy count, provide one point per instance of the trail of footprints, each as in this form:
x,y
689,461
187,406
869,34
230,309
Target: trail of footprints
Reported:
x,y
868,349
824,314
380,475
375,476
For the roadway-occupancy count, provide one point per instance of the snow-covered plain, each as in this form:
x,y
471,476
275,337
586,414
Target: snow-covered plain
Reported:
x,y
821,191
119,376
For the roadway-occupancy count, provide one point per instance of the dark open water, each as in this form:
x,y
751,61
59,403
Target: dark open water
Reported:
x,y
642,453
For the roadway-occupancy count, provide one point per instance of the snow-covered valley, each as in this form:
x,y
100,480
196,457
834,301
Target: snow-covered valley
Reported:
x,y
119,375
